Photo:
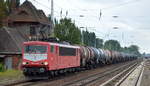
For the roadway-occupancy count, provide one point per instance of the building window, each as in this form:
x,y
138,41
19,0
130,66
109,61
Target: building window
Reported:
x,y
64,51
32,30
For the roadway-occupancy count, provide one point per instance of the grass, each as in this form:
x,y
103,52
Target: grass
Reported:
x,y
10,74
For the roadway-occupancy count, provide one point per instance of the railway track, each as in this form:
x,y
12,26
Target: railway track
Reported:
x,y
88,77
100,77
120,78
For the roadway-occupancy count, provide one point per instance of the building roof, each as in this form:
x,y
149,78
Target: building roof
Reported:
x,y
28,13
11,40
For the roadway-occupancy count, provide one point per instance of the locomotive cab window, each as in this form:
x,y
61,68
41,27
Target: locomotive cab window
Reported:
x,y
64,51
35,49
52,49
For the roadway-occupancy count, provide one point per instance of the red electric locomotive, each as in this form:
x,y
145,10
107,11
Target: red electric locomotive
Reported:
x,y
44,57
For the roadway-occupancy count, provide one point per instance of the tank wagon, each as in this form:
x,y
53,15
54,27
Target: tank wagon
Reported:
x,y
47,58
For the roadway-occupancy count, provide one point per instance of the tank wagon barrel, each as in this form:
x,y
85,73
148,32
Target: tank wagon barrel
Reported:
x,y
94,56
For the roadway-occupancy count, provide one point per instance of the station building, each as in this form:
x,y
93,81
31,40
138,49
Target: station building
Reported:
x,y
24,23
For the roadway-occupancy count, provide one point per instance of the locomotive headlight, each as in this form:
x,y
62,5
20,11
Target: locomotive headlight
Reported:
x,y
45,63
23,63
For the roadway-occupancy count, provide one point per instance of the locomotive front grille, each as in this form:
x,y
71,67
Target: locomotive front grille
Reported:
x,y
34,70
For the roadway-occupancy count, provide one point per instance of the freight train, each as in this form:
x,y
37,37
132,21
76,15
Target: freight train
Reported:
x,y
47,58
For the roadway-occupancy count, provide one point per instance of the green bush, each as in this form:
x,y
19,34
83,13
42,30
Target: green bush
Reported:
x,y
11,74
1,67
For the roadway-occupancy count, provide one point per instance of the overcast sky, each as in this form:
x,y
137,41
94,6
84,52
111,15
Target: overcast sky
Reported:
x,y
132,18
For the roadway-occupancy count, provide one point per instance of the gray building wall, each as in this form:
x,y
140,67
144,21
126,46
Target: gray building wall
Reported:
x,y
8,63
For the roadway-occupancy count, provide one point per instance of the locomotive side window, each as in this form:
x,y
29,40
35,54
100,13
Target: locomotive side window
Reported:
x,y
63,51
52,48
35,49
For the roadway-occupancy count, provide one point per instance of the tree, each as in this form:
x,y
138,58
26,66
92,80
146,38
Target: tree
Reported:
x,y
1,67
3,11
112,45
65,30
134,49
99,43
125,49
85,37
89,38
17,3
92,39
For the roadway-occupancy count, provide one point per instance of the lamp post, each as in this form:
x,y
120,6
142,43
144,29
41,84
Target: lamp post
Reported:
x,y
82,37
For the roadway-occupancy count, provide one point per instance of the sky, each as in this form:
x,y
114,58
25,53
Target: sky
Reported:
x,y
131,17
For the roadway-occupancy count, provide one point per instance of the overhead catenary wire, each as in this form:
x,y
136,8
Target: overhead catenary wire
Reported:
x,y
44,6
41,4
104,8
91,15
99,14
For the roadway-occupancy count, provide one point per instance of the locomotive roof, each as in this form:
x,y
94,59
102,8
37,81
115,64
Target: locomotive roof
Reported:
x,y
64,45
57,44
